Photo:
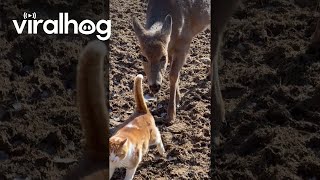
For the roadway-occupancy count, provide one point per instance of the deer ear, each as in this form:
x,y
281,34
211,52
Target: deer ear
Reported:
x,y
137,27
167,26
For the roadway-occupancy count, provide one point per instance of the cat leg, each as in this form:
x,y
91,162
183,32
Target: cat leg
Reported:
x,y
111,170
160,146
161,149
130,173
136,161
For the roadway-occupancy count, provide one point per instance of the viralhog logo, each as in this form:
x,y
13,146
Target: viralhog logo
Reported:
x,y
61,26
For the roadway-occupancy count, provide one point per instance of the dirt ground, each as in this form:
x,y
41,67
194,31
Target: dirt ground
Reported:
x,y
271,85
270,82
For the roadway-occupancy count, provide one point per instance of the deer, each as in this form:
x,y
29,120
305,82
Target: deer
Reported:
x,y
165,38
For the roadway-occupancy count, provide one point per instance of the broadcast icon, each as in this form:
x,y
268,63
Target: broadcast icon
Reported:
x,y
27,15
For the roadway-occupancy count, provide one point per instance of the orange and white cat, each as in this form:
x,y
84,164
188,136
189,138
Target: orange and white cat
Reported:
x,y
132,141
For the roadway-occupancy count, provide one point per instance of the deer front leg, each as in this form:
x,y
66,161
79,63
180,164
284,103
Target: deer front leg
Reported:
x,y
222,11
177,93
216,100
178,61
172,98
177,87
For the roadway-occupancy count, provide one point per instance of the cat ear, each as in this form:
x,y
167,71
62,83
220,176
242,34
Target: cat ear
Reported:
x,y
123,142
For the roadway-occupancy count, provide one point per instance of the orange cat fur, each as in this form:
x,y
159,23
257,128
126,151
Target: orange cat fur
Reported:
x,y
132,141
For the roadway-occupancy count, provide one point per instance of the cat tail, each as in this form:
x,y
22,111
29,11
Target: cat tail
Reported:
x,y
141,105
91,99
93,115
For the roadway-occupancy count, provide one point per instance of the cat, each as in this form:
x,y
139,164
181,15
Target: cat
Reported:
x,y
132,141
93,114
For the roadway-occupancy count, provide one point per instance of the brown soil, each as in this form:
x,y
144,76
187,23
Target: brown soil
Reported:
x,y
271,85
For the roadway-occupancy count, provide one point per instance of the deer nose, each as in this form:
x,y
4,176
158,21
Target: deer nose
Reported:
x,y
155,88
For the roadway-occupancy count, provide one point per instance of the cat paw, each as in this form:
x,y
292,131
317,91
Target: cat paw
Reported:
x,y
161,149
164,154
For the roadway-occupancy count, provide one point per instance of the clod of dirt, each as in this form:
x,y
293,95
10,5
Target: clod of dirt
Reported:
x,y
29,54
278,115
4,114
64,160
273,155
4,142
17,106
3,156
26,70
53,142
314,143
258,140
309,169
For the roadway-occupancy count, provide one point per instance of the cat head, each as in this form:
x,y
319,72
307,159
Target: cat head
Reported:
x,y
118,148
